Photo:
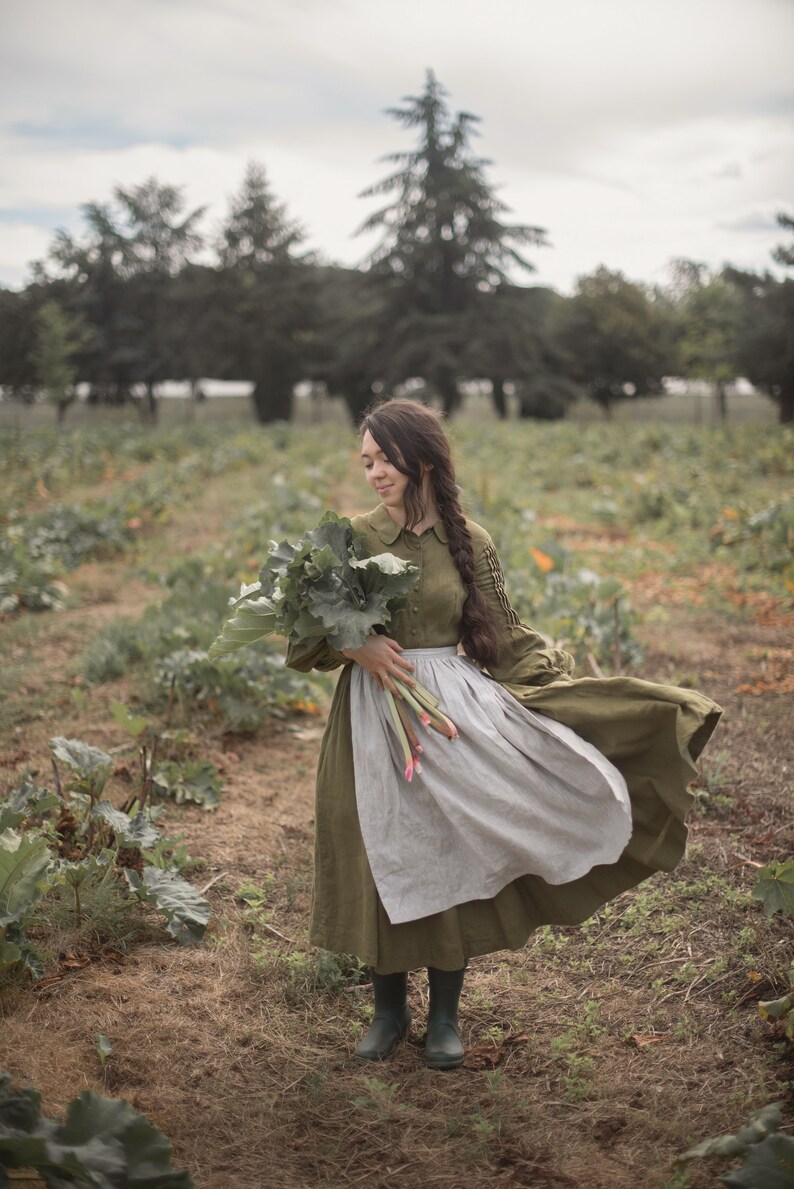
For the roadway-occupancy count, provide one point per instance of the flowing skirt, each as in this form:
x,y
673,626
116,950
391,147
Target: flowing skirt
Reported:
x,y
515,794
651,733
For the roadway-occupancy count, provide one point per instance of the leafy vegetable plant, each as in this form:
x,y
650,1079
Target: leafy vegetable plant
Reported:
x,y
775,890
325,585
103,1142
72,839
328,585
768,1157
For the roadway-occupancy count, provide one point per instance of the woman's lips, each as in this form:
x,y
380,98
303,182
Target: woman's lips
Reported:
x,y
381,490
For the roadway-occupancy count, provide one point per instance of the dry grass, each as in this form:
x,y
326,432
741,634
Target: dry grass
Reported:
x,y
594,1055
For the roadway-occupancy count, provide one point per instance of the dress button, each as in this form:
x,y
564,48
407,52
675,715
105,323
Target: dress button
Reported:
x,y
414,631
414,608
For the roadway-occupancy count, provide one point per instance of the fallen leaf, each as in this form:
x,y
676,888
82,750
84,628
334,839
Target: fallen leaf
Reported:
x,y
483,1057
642,1041
72,961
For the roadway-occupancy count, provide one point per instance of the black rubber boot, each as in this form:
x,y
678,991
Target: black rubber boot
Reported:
x,y
391,1020
443,1048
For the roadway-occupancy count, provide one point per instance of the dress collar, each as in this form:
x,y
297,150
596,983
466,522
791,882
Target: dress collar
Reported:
x,y
388,531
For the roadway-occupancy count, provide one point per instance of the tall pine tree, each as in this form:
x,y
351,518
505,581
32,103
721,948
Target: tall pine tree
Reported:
x,y
267,291
443,252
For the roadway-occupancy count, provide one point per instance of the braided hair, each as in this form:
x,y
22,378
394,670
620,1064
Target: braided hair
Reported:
x,y
412,434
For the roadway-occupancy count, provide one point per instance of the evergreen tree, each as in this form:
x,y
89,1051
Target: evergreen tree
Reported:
x,y
444,249
345,343
784,253
267,294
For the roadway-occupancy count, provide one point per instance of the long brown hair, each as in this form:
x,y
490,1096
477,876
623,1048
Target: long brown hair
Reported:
x,y
411,434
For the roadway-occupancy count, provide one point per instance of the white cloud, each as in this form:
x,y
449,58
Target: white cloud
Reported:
x,y
20,245
633,131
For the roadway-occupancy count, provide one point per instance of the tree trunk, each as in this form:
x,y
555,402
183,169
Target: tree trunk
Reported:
x,y
151,403
272,402
196,395
603,398
721,400
787,405
62,405
447,387
499,398
358,397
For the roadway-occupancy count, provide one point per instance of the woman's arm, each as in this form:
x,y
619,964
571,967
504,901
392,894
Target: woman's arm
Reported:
x,y
379,655
524,655
314,654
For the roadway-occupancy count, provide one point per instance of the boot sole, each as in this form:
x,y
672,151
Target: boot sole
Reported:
x,y
453,1063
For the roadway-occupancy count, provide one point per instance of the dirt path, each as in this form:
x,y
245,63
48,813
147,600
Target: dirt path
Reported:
x,y
594,1056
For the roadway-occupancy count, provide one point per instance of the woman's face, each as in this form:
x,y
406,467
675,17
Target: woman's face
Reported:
x,y
381,474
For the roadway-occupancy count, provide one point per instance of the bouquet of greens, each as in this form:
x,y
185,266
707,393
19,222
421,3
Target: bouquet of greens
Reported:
x,y
328,585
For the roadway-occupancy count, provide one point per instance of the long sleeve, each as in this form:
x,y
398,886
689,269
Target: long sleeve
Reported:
x,y
315,654
524,655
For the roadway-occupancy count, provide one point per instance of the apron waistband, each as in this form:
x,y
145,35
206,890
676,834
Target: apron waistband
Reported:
x,y
420,653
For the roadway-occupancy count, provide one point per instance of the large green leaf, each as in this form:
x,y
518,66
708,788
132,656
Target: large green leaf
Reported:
x,y
19,1109
146,1151
783,1008
775,888
253,620
760,1124
195,781
324,559
768,1165
16,947
81,757
24,859
27,801
91,765
103,1143
348,626
10,953
76,872
386,569
134,724
130,831
324,585
186,911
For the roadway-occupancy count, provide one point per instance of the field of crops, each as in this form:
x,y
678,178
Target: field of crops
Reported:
x,y
156,816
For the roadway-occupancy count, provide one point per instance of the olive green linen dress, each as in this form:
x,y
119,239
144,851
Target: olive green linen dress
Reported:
x,y
651,733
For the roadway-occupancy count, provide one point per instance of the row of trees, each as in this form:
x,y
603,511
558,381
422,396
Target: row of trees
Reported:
x,y
130,304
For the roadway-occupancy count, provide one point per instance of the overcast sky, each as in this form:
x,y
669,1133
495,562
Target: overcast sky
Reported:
x,y
634,131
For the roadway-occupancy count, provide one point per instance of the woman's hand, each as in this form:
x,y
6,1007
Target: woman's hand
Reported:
x,y
380,656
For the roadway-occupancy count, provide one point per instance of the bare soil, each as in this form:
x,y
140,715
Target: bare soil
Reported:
x,y
594,1055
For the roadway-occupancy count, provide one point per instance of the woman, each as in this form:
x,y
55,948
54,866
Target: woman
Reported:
x,y
519,823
